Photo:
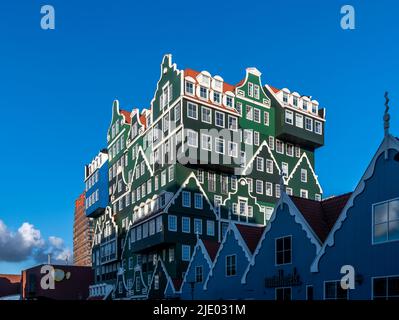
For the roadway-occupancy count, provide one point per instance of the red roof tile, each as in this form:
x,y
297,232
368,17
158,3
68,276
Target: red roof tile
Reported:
x,y
275,90
126,115
143,120
212,247
321,215
251,235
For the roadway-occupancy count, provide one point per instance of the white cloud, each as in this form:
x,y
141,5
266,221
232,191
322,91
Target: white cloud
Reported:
x,y
28,243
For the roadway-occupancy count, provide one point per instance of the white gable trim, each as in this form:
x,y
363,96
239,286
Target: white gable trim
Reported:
x,y
264,143
389,142
299,219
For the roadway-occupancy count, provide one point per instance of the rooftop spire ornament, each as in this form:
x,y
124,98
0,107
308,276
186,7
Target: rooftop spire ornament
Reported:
x,y
386,117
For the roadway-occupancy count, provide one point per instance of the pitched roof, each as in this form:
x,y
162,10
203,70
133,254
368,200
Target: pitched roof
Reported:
x,y
126,115
177,283
275,90
212,247
251,235
321,215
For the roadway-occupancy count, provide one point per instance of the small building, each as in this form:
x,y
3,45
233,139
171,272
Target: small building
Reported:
x,y
67,283
10,285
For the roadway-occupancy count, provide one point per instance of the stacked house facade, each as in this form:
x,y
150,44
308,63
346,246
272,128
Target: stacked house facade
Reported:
x,y
204,155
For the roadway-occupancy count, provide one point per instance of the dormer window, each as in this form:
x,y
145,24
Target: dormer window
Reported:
x,y
304,105
206,80
216,97
203,93
189,88
285,97
295,101
229,102
314,108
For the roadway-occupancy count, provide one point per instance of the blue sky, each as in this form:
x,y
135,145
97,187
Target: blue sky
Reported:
x,y
57,86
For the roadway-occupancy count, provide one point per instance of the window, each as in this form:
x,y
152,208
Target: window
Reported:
x,y
232,149
317,197
256,91
185,252
163,178
177,112
200,175
309,293
159,225
285,97
219,119
250,89
249,114
185,224
198,274
210,228
216,97
277,191
219,145
229,101
232,122
192,111
308,124
269,166
211,181
290,149
231,268
248,136
256,115
206,142
256,138
279,146
224,183
283,250
243,158
172,223
266,118
334,291
198,201
299,120
304,175
171,254
259,164
192,138
289,191
186,199
304,105
269,189
152,227
171,171
386,288
239,108
289,117
297,151
295,101
318,127
304,193
206,115
271,142
283,294
198,226
259,186
242,207
203,93
386,221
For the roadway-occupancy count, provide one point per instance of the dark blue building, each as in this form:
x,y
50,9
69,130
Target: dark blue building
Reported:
x,y
96,180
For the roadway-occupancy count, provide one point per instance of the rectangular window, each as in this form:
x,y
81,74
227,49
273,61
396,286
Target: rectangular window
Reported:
x,y
229,101
219,145
304,175
163,178
249,114
269,166
171,254
192,138
386,288
206,115
266,118
219,121
239,107
299,120
198,274
232,149
171,171
269,189
177,113
233,182
216,97
256,138
304,193
289,117
233,123
206,142
283,294
290,149
172,223
185,225
304,105
198,226
295,101
211,181
297,151
231,267
256,115
285,97
198,201
318,128
259,164
277,191
185,252
200,175
279,146
186,199
210,228
289,191
248,136
259,186
192,110
250,89
308,124
203,93
283,249
256,91
271,142
386,221
334,291
317,197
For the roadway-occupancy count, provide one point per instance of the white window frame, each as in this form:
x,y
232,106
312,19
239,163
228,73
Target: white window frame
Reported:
x,y
202,115
195,106
186,194
217,113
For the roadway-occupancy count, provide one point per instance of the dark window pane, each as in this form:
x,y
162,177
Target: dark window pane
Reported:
x,y
280,257
329,288
381,213
394,210
309,293
393,230
393,286
287,294
287,243
279,245
279,294
341,293
287,256
379,287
